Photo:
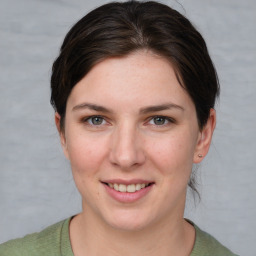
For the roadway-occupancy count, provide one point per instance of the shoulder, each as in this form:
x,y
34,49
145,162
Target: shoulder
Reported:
x,y
46,242
207,245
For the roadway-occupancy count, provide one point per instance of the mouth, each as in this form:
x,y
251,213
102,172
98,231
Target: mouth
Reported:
x,y
128,191
130,188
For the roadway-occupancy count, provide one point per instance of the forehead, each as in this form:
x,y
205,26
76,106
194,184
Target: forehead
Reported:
x,y
141,78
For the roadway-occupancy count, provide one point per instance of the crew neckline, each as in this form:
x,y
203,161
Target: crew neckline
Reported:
x,y
66,248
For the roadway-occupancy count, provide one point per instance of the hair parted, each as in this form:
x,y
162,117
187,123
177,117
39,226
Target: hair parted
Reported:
x,y
117,29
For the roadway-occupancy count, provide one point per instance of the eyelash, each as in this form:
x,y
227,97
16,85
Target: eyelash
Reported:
x,y
166,119
88,120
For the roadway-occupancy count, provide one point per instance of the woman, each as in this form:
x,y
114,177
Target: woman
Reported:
x,y
134,91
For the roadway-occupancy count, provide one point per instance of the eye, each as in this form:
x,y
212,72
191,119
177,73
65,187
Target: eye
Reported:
x,y
160,120
95,120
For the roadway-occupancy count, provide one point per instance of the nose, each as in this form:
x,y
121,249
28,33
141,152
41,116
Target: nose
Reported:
x,y
126,148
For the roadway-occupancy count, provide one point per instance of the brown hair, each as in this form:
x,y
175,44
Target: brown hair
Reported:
x,y
120,28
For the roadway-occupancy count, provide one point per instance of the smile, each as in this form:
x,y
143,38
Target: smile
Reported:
x,y
131,188
128,191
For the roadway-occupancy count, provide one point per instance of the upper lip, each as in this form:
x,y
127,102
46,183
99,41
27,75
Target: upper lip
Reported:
x,y
127,182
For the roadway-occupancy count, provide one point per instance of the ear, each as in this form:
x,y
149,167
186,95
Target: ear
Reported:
x,y
205,138
62,134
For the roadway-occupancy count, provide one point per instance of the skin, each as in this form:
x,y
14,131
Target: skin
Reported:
x,y
128,143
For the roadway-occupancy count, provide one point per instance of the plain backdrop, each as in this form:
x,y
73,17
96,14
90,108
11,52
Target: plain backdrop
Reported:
x,y
36,185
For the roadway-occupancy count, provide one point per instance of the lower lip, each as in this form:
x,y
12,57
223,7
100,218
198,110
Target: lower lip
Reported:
x,y
126,197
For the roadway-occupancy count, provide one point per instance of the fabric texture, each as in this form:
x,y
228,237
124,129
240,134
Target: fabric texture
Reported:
x,y
54,241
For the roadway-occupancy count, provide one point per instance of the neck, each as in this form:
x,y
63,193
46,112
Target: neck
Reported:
x,y
91,236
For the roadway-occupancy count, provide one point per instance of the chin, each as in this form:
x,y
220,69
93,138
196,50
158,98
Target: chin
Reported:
x,y
126,220
128,226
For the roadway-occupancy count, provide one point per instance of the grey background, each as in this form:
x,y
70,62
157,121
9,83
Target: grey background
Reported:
x,y
36,186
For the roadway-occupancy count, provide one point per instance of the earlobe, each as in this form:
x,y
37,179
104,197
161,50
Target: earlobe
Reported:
x,y
61,134
205,138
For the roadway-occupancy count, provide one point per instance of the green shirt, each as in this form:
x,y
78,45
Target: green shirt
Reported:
x,y
54,241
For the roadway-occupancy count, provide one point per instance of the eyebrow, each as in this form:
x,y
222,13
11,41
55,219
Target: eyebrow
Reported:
x,y
92,107
161,107
145,110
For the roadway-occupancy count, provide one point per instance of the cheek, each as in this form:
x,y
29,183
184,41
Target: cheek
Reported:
x,y
86,154
86,157
173,154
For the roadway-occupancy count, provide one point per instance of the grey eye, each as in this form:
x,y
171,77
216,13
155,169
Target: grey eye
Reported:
x,y
96,120
159,120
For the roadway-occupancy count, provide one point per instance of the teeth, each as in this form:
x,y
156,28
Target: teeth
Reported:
x,y
138,186
129,188
116,187
122,188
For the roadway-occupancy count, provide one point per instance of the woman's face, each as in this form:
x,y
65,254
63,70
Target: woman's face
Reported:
x,y
131,127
